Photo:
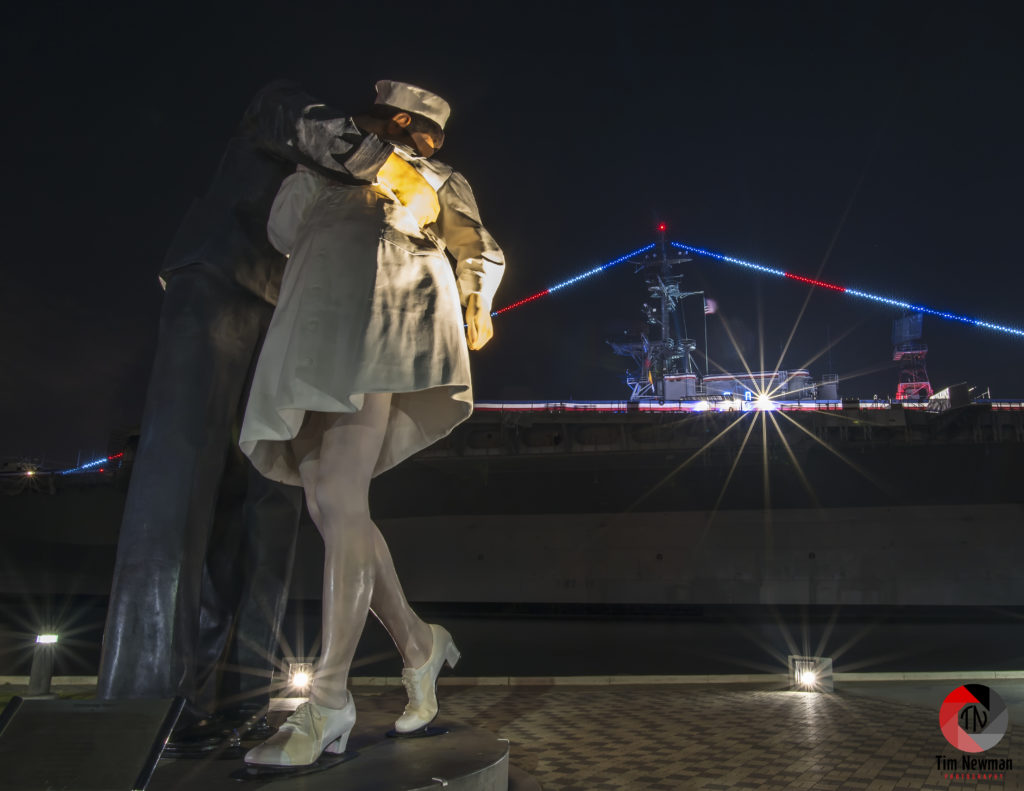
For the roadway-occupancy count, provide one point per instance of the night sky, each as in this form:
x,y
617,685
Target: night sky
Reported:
x,y
875,145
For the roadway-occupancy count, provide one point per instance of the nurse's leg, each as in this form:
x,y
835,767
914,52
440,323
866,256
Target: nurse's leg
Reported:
x,y
411,635
349,447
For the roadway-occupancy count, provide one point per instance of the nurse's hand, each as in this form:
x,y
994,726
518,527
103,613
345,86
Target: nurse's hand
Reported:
x,y
411,189
479,328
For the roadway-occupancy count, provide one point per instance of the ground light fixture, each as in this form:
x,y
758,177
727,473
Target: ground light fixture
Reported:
x,y
300,677
290,682
42,666
810,674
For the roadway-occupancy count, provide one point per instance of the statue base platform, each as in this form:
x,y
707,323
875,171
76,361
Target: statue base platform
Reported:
x,y
463,759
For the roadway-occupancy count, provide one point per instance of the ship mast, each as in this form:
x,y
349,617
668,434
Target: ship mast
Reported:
x,y
668,354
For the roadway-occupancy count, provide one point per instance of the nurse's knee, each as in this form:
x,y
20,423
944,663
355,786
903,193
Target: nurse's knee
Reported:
x,y
338,503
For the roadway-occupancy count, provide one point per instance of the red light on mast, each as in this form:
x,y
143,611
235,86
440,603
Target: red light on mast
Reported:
x,y
661,226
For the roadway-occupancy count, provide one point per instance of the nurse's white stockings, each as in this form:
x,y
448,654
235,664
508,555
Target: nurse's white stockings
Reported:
x,y
337,454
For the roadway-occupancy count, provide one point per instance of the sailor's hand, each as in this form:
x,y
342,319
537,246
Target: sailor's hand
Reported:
x,y
411,189
479,328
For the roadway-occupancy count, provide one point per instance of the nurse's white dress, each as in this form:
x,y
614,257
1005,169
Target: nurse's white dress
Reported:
x,y
368,304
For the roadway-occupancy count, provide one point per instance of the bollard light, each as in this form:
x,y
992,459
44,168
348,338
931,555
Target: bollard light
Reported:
x,y
42,666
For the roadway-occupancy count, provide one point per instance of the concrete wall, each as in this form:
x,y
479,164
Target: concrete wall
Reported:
x,y
905,555
962,555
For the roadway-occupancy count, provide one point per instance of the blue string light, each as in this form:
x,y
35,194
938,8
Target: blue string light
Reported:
x,y
729,259
853,292
598,269
92,464
573,280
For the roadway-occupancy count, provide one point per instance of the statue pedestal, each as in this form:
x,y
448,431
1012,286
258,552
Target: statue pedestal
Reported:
x,y
465,758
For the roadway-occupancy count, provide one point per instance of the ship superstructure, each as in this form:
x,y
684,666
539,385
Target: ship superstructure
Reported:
x,y
664,354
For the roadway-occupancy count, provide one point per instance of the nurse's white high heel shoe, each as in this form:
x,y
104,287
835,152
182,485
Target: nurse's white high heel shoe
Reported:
x,y
311,730
421,683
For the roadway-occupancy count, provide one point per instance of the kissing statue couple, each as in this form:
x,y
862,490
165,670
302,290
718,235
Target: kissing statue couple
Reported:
x,y
328,237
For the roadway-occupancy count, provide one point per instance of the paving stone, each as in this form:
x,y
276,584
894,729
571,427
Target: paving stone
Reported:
x,y
650,738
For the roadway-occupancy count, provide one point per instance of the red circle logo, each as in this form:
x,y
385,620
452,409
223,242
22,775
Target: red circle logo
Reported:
x,y
973,718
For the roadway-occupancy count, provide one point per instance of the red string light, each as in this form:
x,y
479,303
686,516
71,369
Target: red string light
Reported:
x,y
813,282
538,295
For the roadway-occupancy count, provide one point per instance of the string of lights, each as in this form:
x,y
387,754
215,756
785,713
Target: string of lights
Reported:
x,y
897,303
768,270
573,280
93,464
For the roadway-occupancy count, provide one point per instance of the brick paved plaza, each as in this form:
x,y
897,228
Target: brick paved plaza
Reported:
x,y
673,737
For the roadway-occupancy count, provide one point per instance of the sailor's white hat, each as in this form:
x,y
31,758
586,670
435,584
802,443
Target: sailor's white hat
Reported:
x,y
413,99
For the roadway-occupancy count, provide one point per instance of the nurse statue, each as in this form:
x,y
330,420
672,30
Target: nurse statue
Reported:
x,y
365,363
